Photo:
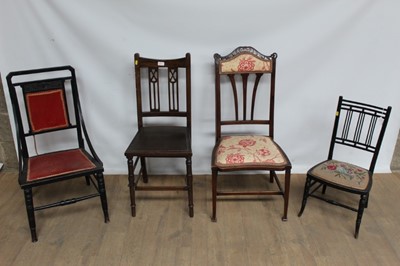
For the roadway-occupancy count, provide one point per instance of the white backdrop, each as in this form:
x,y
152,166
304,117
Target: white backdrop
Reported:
x,y
325,49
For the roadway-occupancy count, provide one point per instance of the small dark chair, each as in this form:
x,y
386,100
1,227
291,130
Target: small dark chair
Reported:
x,y
247,150
360,126
45,105
163,95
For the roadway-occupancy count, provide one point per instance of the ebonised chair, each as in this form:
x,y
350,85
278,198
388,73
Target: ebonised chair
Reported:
x,y
239,144
163,95
357,126
46,104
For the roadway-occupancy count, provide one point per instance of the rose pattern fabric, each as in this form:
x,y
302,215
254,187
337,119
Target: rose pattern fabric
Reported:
x,y
246,63
248,150
342,173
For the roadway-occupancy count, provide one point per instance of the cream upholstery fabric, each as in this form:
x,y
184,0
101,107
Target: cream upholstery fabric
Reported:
x,y
248,150
246,63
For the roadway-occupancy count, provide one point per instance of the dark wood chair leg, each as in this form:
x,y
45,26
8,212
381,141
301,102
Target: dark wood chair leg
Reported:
x,y
361,206
366,203
323,189
132,186
305,195
31,213
103,196
286,195
214,195
189,178
271,176
144,169
87,180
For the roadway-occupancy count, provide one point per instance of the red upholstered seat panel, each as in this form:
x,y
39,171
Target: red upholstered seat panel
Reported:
x,y
46,110
57,163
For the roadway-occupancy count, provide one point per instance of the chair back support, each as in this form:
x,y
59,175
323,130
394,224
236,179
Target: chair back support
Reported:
x,y
245,67
40,105
163,88
360,126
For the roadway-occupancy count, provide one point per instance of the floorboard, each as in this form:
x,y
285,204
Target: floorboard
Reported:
x,y
249,230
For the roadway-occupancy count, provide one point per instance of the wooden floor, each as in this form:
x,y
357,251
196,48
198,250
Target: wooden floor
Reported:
x,y
248,232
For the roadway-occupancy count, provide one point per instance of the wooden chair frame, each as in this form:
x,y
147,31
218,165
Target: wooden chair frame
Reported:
x,y
162,141
246,62
32,85
361,137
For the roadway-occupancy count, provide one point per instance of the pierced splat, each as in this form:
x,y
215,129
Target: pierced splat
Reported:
x,y
173,89
154,90
245,78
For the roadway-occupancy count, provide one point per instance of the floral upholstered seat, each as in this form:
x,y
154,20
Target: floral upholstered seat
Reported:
x,y
342,173
250,150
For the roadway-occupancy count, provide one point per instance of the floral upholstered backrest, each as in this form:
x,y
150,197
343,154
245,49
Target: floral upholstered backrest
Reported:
x,y
245,60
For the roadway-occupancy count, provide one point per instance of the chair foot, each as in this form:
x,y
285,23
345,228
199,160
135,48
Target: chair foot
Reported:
x,y
106,218
33,235
133,211
305,195
284,219
191,212
214,219
301,210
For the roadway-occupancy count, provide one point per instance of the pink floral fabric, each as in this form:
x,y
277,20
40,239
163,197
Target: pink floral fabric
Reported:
x,y
342,173
248,150
246,63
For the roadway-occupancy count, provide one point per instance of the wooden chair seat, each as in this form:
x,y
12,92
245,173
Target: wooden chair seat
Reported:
x,y
342,174
165,140
248,150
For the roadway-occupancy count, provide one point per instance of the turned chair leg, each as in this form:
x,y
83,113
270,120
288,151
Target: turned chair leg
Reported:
x,y
132,186
189,180
31,213
103,196
361,206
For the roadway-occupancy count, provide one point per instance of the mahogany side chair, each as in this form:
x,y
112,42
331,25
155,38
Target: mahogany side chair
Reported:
x,y
163,95
245,125
357,126
53,144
